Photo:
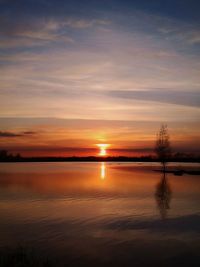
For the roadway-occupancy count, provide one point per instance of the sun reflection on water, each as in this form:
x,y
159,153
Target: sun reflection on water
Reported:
x,y
103,171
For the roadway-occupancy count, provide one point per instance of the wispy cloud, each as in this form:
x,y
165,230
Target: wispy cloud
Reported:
x,y
84,23
9,134
161,95
41,31
13,134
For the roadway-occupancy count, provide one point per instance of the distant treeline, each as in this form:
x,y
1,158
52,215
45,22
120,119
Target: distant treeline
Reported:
x,y
5,156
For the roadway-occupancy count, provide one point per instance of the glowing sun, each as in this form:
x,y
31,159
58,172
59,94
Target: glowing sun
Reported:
x,y
102,148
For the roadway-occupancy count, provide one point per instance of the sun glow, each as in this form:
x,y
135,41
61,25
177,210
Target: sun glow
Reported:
x,y
102,148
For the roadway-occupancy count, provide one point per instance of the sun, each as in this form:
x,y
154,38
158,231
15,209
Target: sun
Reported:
x,y
102,148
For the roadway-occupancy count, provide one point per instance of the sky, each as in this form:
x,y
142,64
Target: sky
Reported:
x,y
74,74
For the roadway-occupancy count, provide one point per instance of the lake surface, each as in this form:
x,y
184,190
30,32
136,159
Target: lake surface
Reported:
x,y
100,214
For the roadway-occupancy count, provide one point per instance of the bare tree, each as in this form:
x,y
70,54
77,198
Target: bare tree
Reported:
x,y
162,147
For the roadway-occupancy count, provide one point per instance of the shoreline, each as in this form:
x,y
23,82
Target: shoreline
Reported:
x,y
95,159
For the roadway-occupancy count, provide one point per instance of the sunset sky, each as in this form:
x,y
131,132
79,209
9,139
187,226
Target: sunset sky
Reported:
x,y
77,73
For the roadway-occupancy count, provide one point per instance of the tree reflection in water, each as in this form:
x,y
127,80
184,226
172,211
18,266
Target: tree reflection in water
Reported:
x,y
163,196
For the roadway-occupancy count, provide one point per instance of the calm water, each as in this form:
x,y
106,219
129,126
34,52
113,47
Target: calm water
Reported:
x,y
98,214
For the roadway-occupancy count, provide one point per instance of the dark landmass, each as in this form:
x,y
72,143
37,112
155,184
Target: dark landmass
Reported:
x,y
7,157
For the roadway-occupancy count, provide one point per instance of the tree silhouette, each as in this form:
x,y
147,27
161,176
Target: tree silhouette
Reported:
x,y
162,147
